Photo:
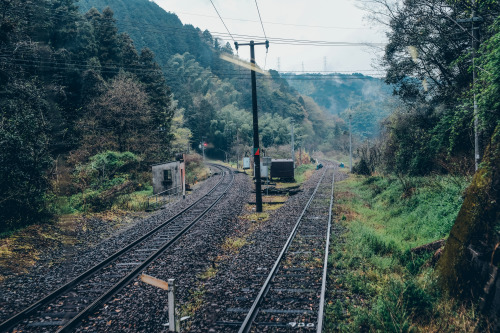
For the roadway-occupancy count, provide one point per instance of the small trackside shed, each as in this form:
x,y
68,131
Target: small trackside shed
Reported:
x,y
283,169
168,176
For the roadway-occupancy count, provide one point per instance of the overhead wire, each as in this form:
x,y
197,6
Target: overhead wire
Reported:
x,y
260,18
461,27
87,8
265,36
276,40
22,58
222,21
278,23
220,76
283,41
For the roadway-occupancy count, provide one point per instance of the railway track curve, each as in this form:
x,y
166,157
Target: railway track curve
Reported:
x,y
63,309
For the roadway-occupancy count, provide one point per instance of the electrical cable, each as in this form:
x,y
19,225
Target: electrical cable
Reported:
x,y
111,67
461,27
276,40
222,21
277,23
260,18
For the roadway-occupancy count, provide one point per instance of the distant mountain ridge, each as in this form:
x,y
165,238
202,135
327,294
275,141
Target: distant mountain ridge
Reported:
x,y
337,92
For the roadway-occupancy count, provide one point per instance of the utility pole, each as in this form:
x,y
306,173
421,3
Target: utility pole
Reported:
x,y
203,147
475,47
256,149
293,147
300,155
350,144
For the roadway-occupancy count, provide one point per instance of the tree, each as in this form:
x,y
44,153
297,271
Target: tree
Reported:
x,y
108,41
24,156
488,84
427,62
199,119
65,21
120,120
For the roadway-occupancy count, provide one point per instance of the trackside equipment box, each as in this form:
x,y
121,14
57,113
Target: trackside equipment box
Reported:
x,y
282,169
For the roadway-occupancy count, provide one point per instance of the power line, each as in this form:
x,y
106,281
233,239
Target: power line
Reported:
x,y
222,21
87,8
22,59
284,24
461,27
276,40
221,76
279,40
260,18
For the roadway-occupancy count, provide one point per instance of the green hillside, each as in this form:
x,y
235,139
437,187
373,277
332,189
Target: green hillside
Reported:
x,y
215,95
368,99
150,26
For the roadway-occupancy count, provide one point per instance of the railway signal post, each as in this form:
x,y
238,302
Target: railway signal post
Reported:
x,y
256,149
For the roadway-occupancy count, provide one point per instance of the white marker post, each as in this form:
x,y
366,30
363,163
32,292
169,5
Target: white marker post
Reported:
x,y
170,287
171,306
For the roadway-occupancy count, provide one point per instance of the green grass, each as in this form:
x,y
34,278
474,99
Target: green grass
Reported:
x,y
79,203
303,172
403,220
387,287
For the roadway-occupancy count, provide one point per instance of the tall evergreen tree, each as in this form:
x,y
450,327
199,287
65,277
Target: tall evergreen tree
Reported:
x,y
108,42
24,156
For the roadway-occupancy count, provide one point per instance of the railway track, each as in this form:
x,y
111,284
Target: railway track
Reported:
x,y
63,309
293,294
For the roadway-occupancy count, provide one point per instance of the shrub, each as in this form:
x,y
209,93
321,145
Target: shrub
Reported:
x,y
361,168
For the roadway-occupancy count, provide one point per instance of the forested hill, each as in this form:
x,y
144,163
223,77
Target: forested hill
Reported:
x,y
337,92
150,26
215,95
368,99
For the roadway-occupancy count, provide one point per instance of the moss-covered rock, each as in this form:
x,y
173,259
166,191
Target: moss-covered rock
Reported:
x,y
468,266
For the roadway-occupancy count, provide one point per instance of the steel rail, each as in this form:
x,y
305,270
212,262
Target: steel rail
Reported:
x,y
319,328
9,323
73,323
252,313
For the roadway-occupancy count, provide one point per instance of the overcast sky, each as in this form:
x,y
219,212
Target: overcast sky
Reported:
x,y
311,20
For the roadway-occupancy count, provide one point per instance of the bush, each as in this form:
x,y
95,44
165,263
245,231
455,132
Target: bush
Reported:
x,y
413,262
361,168
106,170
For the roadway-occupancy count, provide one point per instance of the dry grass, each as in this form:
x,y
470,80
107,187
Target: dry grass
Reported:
x,y
209,273
274,198
234,244
23,248
20,251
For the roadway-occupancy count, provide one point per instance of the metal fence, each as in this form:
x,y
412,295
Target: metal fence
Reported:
x,y
157,200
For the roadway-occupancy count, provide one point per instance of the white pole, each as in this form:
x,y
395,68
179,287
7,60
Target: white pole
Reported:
x,y
474,74
172,320
293,148
350,145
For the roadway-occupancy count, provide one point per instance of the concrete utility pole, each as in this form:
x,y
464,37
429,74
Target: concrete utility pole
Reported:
x,y
256,148
350,144
203,147
475,46
293,146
